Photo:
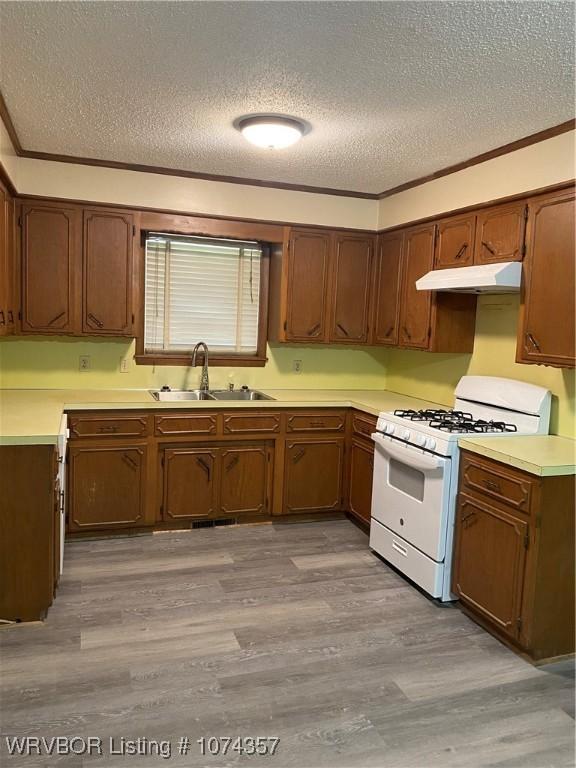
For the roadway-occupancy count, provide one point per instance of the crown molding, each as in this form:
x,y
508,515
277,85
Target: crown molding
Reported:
x,y
505,149
533,138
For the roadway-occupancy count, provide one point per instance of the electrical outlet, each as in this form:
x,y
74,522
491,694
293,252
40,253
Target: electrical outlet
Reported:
x,y
84,363
297,366
124,365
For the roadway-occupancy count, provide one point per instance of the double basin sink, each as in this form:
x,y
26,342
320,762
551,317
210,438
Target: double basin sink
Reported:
x,y
176,395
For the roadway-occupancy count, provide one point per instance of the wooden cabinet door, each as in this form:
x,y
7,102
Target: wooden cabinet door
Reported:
x,y
313,475
489,560
386,292
108,275
415,305
546,329
106,486
361,472
5,287
500,233
455,242
190,483
51,257
351,288
308,271
245,483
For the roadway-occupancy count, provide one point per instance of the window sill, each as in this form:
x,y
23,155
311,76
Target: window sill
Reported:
x,y
234,361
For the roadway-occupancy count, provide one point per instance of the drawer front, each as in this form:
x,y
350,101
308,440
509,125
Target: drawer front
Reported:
x,y
115,426
363,425
185,424
498,482
253,422
327,421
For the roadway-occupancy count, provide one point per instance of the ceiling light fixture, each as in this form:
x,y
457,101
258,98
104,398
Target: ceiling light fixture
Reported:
x,y
271,131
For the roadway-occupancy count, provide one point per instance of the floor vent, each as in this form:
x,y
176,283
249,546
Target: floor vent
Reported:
x,y
214,523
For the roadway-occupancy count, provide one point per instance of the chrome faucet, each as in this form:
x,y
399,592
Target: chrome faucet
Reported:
x,y
204,382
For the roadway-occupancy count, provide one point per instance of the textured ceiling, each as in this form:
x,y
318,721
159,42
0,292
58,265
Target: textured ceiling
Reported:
x,y
393,90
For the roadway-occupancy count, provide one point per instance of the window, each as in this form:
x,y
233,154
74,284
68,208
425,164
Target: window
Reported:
x,y
203,289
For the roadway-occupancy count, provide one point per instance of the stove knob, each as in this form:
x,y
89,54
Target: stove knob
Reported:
x,y
406,434
431,443
389,429
420,440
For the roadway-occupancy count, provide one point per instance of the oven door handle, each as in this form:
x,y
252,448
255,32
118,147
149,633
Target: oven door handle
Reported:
x,y
406,455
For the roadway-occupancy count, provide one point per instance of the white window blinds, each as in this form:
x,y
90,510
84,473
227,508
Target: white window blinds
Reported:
x,y
201,289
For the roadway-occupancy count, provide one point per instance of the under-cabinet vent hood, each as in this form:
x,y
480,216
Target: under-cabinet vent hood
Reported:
x,y
484,278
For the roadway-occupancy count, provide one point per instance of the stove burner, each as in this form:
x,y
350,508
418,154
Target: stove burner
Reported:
x,y
468,425
433,414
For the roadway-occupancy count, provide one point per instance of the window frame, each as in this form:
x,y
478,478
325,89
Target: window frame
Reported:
x,y
259,359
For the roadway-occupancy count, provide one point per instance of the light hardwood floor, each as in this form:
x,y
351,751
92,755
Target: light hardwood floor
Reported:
x,y
296,631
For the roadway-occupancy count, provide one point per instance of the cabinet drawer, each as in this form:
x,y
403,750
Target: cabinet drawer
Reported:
x,y
497,481
316,422
251,422
363,425
186,424
117,426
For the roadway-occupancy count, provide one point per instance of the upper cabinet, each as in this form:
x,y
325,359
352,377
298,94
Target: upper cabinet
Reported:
x,y
455,242
415,305
307,279
8,273
51,262
546,331
494,234
500,233
352,275
386,291
77,270
107,273
320,287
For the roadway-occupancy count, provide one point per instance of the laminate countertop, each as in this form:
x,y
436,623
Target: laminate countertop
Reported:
x,y
33,416
543,455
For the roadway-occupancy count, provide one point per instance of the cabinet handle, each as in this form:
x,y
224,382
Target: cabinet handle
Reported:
x,y
129,461
95,320
298,456
407,332
488,247
11,317
232,463
493,486
108,428
314,330
468,517
533,341
205,467
389,331
461,251
341,328
2,318
56,318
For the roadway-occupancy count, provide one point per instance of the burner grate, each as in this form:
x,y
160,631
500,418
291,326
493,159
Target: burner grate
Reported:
x,y
432,414
478,426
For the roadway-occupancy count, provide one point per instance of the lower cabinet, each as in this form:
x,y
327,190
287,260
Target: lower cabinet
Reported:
x,y
313,475
29,531
513,567
216,481
361,472
490,561
106,486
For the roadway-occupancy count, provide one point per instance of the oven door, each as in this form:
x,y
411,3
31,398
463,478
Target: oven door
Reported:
x,y
411,494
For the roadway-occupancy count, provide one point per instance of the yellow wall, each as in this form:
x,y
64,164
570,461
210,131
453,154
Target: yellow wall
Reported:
x,y
53,363
539,165
433,377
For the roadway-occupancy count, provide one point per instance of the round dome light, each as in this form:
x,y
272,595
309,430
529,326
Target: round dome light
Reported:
x,y
271,131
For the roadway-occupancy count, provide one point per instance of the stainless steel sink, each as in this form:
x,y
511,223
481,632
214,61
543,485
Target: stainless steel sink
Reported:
x,y
180,394
239,394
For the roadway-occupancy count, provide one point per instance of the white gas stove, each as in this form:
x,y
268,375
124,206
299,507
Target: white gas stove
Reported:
x,y
416,471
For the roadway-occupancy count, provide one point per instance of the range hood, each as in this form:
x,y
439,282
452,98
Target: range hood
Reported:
x,y
484,278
